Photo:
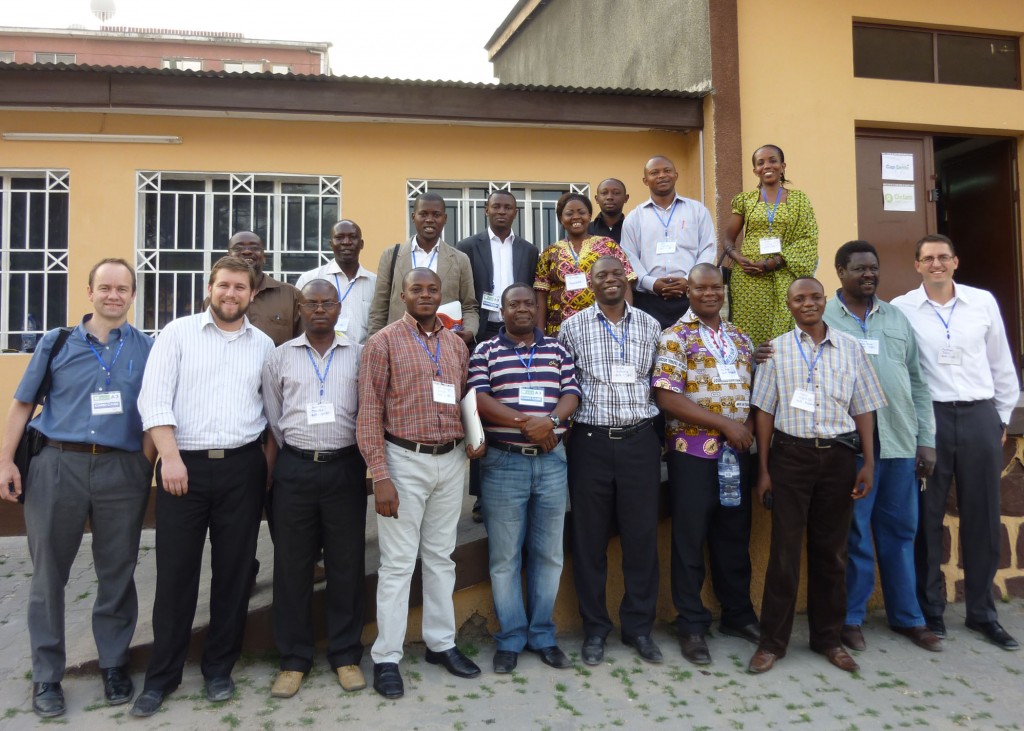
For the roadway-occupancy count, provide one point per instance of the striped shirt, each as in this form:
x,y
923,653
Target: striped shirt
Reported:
x,y
396,391
594,343
356,296
843,382
501,368
205,382
686,222
291,383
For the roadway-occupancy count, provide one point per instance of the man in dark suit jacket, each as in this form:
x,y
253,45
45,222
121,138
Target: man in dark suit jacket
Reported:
x,y
499,258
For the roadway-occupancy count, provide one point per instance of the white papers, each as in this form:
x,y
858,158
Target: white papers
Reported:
x,y
897,166
450,315
471,423
897,197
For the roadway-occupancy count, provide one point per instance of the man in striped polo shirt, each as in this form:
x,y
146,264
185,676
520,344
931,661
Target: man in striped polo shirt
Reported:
x,y
526,389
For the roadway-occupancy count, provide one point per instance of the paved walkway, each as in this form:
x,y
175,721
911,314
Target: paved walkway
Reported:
x,y
972,685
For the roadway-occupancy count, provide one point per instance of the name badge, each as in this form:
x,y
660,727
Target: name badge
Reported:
x,y
444,393
341,325
106,403
951,355
531,396
490,301
803,399
665,247
575,282
320,413
728,373
870,345
624,373
771,245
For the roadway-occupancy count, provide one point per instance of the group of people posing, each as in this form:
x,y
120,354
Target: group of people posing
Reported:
x,y
590,362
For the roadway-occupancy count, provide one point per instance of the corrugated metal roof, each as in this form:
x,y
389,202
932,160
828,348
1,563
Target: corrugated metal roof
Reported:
x,y
324,78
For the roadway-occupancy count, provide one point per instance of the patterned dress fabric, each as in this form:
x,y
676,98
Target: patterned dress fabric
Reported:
x,y
759,302
557,262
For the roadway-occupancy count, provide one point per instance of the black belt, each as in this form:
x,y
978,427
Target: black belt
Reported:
x,y
321,455
220,453
78,447
531,451
434,449
849,440
618,432
961,404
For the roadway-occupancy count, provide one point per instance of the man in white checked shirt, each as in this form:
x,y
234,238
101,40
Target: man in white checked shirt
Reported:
x,y
310,393
200,402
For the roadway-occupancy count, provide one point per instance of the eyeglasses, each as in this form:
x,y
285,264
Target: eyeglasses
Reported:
x,y
314,306
929,260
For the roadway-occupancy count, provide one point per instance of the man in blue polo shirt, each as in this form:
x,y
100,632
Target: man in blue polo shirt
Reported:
x,y
526,389
94,465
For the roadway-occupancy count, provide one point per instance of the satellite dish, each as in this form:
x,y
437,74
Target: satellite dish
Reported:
x,y
102,9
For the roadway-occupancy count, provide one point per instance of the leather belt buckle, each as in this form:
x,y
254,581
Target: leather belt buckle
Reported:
x,y
819,443
215,453
322,456
616,432
530,451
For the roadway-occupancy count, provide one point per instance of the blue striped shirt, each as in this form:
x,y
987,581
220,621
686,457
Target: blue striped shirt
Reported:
x,y
500,368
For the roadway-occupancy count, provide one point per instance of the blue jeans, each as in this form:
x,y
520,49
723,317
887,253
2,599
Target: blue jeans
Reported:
x,y
889,513
524,500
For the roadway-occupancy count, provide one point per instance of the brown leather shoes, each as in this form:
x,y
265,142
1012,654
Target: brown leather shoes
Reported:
x,y
920,636
841,659
851,636
762,661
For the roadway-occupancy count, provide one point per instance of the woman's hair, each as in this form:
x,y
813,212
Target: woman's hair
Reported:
x,y
782,158
564,201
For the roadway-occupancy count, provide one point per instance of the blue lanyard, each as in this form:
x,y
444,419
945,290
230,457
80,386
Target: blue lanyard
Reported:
x,y
572,252
323,378
945,323
107,369
810,366
625,335
433,255
526,365
863,323
771,211
671,212
337,283
435,357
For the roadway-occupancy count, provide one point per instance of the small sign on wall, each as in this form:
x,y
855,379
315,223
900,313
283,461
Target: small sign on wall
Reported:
x,y
897,166
898,197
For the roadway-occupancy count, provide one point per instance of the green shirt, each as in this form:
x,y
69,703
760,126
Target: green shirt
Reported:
x,y
908,421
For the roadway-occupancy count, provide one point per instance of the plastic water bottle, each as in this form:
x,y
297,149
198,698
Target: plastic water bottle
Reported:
x,y
728,477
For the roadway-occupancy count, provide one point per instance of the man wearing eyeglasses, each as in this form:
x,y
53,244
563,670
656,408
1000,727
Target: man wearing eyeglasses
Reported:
x,y
273,309
310,396
966,361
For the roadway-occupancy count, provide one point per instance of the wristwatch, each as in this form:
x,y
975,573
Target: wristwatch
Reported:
x,y
554,419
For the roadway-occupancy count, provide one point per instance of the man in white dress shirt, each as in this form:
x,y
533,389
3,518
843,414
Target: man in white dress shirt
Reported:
x,y
200,402
966,361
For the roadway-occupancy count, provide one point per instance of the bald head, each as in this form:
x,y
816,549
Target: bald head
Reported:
x,y
660,176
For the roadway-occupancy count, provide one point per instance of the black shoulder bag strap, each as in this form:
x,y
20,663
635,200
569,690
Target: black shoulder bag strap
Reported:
x,y
394,258
47,382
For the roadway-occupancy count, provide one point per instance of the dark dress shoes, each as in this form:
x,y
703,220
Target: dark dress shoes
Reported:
x,y
48,700
117,686
995,634
852,636
593,650
749,632
762,661
920,636
645,647
552,657
220,689
148,703
505,661
454,662
937,626
695,649
841,659
387,680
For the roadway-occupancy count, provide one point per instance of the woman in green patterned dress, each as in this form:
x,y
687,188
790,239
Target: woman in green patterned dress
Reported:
x,y
563,270
780,244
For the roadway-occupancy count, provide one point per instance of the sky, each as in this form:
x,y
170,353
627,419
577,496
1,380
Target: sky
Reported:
x,y
403,39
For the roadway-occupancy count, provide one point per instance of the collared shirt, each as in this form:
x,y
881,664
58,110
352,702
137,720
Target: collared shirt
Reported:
x,y
688,366
273,310
909,420
77,375
421,257
356,296
396,392
843,382
690,227
501,260
596,351
291,383
599,227
501,368
205,382
976,328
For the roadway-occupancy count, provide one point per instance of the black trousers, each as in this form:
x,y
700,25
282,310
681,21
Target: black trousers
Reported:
x,y
666,312
226,497
319,504
698,517
811,488
615,481
967,445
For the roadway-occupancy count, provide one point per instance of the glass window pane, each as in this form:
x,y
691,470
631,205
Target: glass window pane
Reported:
x,y
978,61
892,53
